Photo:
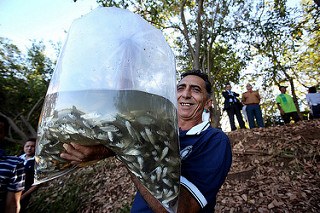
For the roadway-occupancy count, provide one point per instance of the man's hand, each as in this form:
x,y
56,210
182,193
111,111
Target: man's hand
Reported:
x,y
78,153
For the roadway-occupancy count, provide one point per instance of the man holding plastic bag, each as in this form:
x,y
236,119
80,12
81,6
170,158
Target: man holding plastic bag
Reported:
x,y
113,93
205,152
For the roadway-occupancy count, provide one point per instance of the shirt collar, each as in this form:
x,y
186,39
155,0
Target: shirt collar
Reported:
x,y
196,130
24,157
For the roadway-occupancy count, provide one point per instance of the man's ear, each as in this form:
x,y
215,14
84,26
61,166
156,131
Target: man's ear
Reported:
x,y
208,104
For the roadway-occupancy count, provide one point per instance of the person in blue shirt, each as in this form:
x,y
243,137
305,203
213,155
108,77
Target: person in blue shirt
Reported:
x,y
12,176
205,151
11,182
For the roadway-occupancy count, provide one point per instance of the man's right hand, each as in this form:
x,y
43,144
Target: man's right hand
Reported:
x,y
79,154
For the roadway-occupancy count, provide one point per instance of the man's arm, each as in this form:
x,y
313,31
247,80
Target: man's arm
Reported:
x,y
281,110
226,95
13,202
309,100
186,202
30,191
258,95
153,203
243,98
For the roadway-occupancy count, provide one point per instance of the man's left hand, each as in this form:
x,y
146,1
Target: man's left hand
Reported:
x,y
79,154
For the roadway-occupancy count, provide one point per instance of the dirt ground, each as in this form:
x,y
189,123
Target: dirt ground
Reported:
x,y
275,169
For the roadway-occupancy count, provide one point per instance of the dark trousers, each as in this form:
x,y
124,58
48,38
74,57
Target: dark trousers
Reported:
x,y
287,117
234,110
316,111
254,113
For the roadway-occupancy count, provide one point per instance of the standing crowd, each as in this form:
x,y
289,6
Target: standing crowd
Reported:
x,y
249,105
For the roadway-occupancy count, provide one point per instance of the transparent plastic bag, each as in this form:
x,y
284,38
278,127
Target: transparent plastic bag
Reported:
x,y
114,84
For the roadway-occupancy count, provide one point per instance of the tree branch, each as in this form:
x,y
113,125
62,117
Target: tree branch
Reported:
x,y
185,29
14,127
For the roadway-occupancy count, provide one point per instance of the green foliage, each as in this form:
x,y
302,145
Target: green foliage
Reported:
x,y
23,84
220,37
308,63
281,48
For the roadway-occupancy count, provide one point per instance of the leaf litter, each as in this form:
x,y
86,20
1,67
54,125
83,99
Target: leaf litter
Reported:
x,y
274,169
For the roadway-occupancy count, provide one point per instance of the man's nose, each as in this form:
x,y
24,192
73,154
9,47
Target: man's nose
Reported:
x,y
186,93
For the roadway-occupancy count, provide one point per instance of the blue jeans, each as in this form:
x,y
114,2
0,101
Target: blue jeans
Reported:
x,y
254,112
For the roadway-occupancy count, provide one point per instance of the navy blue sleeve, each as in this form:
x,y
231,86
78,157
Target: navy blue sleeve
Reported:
x,y
209,163
140,205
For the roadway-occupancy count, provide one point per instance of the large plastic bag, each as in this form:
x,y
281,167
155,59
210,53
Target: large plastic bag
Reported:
x,y
114,84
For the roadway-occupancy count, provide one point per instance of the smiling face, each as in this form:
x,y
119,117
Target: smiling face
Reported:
x,y
192,100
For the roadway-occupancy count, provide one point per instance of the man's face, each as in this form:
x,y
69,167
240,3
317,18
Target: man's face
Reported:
x,y
29,148
249,87
228,87
192,98
283,90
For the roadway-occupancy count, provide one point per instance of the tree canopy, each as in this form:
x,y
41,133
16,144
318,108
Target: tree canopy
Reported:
x,y
226,38
23,83
263,41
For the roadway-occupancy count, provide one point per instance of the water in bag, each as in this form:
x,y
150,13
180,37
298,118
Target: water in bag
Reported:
x,y
114,84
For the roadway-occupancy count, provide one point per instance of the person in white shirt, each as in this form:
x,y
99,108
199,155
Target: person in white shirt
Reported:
x,y
29,150
28,157
313,99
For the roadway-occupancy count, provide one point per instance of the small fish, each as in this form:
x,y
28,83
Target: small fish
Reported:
x,y
167,182
158,173
110,136
109,128
164,152
145,120
150,136
132,152
140,161
140,138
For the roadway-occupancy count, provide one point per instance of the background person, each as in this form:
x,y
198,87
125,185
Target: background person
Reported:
x,y
28,157
11,177
233,107
29,150
205,152
286,106
313,99
251,100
